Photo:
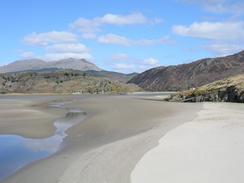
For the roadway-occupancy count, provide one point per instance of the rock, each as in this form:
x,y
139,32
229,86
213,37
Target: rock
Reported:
x,y
227,90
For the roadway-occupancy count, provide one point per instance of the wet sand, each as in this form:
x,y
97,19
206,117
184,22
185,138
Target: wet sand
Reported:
x,y
28,116
106,146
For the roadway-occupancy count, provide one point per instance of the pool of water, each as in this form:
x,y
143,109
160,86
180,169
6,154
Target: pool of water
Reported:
x,y
17,152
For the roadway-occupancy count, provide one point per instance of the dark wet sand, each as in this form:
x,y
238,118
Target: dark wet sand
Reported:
x,y
105,146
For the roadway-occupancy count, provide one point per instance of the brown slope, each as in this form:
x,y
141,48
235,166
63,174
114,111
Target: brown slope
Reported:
x,y
185,76
227,90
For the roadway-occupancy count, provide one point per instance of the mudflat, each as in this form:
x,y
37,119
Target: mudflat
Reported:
x,y
105,147
28,116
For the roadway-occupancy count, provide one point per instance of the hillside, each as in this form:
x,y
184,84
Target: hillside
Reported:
x,y
226,90
112,75
66,81
186,76
36,64
116,76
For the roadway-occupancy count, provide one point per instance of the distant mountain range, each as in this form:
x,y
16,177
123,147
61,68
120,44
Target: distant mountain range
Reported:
x,y
37,64
62,76
186,76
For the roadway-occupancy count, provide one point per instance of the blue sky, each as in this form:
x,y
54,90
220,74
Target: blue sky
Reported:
x,y
125,36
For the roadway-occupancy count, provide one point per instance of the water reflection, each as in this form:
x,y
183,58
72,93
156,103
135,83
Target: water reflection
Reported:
x,y
17,151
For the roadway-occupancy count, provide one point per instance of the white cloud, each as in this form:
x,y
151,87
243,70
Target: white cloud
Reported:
x,y
43,39
86,26
220,6
61,51
223,49
115,39
132,64
90,26
151,42
224,37
212,30
112,19
58,45
89,35
27,54
124,41
151,61
74,48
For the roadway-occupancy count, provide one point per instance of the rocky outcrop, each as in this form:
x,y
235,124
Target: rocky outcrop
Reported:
x,y
227,90
192,75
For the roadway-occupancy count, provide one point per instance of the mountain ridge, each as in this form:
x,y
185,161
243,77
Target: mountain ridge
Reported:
x,y
194,74
37,64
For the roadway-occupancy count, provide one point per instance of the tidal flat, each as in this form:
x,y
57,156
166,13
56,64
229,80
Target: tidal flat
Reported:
x,y
112,137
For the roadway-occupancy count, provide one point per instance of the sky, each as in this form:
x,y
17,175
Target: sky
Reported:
x,y
124,36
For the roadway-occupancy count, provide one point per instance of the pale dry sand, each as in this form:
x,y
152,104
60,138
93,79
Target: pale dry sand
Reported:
x,y
208,149
106,146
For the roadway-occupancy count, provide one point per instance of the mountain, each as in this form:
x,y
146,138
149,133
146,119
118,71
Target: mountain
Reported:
x,y
19,65
36,64
185,76
71,63
60,81
226,90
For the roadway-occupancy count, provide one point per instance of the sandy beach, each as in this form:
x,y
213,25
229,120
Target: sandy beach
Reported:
x,y
207,149
132,138
106,146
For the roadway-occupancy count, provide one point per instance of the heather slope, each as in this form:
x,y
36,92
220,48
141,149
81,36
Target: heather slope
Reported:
x,y
186,76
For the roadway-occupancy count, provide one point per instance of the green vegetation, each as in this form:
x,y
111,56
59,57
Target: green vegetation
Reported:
x,y
61,82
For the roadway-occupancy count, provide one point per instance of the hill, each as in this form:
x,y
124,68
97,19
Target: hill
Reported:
x,y
66,81
116,76
186,76
226,90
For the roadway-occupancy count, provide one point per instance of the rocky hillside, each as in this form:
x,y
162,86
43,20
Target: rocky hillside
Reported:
x,y
37,64
227,90
186,76
66,81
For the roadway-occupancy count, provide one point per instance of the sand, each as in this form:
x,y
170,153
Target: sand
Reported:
x,y
106,146
208,149
28,116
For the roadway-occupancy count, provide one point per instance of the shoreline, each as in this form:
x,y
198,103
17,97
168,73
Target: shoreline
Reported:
x,y
109,136
35,147
29,117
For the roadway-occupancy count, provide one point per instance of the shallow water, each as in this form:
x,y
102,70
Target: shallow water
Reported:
x,y
152,94
17,152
